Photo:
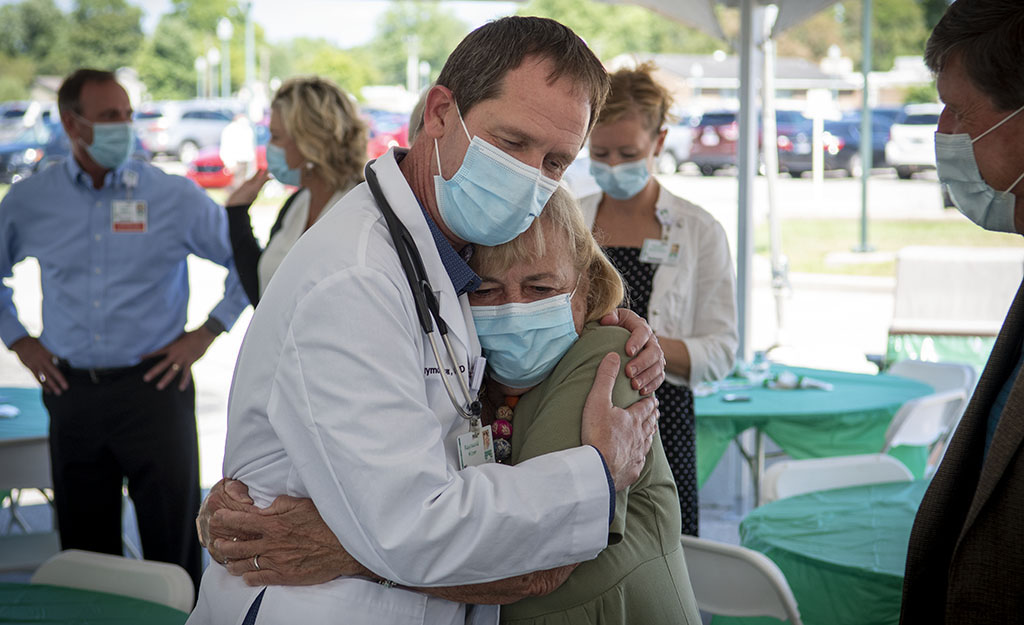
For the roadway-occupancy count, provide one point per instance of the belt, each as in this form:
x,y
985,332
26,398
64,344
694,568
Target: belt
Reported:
x,y
104,375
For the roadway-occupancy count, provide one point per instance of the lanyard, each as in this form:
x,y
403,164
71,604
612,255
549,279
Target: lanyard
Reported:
x,y
427,308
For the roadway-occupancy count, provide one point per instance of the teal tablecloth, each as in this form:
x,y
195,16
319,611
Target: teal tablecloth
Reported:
x,y
32,419
807,423
39,603
843,551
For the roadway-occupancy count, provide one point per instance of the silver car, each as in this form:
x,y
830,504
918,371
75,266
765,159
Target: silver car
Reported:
x,y
182,128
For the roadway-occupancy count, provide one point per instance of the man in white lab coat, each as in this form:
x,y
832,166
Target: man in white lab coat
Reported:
x,y
338,396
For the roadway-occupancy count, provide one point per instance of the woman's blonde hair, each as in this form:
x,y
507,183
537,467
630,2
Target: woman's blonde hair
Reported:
x,y
605,289
325,125
634,91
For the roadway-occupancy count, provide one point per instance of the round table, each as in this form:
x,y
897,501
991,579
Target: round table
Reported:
x,y
808,423
39,603
843,551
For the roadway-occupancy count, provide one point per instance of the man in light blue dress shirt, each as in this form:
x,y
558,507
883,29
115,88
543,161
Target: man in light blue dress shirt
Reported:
x,y
112,235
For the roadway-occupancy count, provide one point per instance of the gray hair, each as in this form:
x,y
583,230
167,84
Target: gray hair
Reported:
x,y
476,69
988,38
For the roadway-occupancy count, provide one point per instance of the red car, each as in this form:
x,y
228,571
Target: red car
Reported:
x,y
209,172
387,129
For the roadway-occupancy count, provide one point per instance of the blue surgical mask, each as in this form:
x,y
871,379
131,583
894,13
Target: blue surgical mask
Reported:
x,y
112,142
277,164
524,342
621,181
958,171
493,197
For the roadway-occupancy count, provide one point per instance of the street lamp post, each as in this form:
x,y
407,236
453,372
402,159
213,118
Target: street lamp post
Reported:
x,y
250,44
212,59
224,32
200,76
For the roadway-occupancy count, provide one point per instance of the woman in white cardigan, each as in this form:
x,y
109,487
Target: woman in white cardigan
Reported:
x,y
674,258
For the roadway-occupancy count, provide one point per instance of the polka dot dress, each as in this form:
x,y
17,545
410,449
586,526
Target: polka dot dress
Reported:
x,y
676,402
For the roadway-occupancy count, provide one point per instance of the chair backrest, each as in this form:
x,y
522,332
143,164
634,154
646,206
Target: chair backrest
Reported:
x,y
925,420
736,581
942,376
796,477
159,582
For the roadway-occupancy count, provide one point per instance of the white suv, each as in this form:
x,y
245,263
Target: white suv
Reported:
x,y
182,128
911,145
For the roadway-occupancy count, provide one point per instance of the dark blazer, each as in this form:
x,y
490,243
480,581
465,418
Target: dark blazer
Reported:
x,y
965,562
246,249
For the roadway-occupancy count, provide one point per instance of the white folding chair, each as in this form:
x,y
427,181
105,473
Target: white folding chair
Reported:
x,y
159,582
735,581
942,376
924,420
796,477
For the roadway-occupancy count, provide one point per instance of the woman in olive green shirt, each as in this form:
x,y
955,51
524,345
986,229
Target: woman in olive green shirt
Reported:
x,y
539,293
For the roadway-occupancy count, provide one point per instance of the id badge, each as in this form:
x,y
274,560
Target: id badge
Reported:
x,y
659,252
475,448
129,216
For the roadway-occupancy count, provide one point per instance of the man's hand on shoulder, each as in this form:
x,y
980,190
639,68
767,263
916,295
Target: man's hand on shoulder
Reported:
x,y
41,363
646,370
622,435
178,357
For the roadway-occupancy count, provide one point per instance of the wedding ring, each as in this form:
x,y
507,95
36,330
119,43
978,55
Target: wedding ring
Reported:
x,y
42,377
175,366
234,539
256,562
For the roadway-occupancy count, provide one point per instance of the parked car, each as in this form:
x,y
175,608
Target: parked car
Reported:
x,y
182,128
882,119
21,149
716,134
840,143
208,171
678,143
387,129
911,145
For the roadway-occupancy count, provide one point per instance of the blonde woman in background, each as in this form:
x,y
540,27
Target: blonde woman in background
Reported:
x,y
317,143
673,256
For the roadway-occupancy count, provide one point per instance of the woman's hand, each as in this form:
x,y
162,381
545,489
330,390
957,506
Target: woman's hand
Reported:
x,y
246,192
646,370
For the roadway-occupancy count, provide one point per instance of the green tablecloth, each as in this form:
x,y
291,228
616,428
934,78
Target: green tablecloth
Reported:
x,y
39,603
843,551
973,350
807,423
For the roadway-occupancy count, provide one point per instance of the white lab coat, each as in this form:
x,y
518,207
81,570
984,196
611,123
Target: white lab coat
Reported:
x,y
693,301
337,397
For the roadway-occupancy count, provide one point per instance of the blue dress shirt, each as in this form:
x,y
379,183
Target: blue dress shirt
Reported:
x,y
111,297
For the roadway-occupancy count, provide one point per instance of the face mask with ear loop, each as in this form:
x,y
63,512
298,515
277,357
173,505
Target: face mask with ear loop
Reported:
x,y
493,197
112,142
958,172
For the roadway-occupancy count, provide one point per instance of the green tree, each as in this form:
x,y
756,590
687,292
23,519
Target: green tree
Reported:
x,y
611,30
166,63
350,69
105,34
36,30
425,26
898,29
933,11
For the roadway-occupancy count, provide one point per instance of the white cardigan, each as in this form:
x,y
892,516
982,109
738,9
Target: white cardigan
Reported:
x,y
693,301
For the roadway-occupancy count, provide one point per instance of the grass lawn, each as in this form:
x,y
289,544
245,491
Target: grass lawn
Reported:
x,y
808,242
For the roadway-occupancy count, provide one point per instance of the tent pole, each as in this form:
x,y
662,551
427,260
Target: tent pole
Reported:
x,y
866,139
750,31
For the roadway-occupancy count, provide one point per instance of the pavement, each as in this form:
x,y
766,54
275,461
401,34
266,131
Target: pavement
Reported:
x,y
824,321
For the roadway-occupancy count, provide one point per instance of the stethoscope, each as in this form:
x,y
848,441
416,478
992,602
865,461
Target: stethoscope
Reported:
x,y
427,309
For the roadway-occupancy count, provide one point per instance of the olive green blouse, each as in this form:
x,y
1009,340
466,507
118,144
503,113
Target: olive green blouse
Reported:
x,y
641,576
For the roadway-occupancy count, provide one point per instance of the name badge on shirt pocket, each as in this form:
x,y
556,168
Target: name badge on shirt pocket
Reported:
x,y
129,216
659,252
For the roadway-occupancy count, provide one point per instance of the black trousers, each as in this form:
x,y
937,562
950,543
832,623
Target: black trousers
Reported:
x,y
113,426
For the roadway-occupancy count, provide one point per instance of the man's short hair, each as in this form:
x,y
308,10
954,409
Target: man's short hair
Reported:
x,y
71,89
988,38
476,69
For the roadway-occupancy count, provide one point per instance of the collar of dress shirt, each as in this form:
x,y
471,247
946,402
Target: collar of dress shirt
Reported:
x,y
113,177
